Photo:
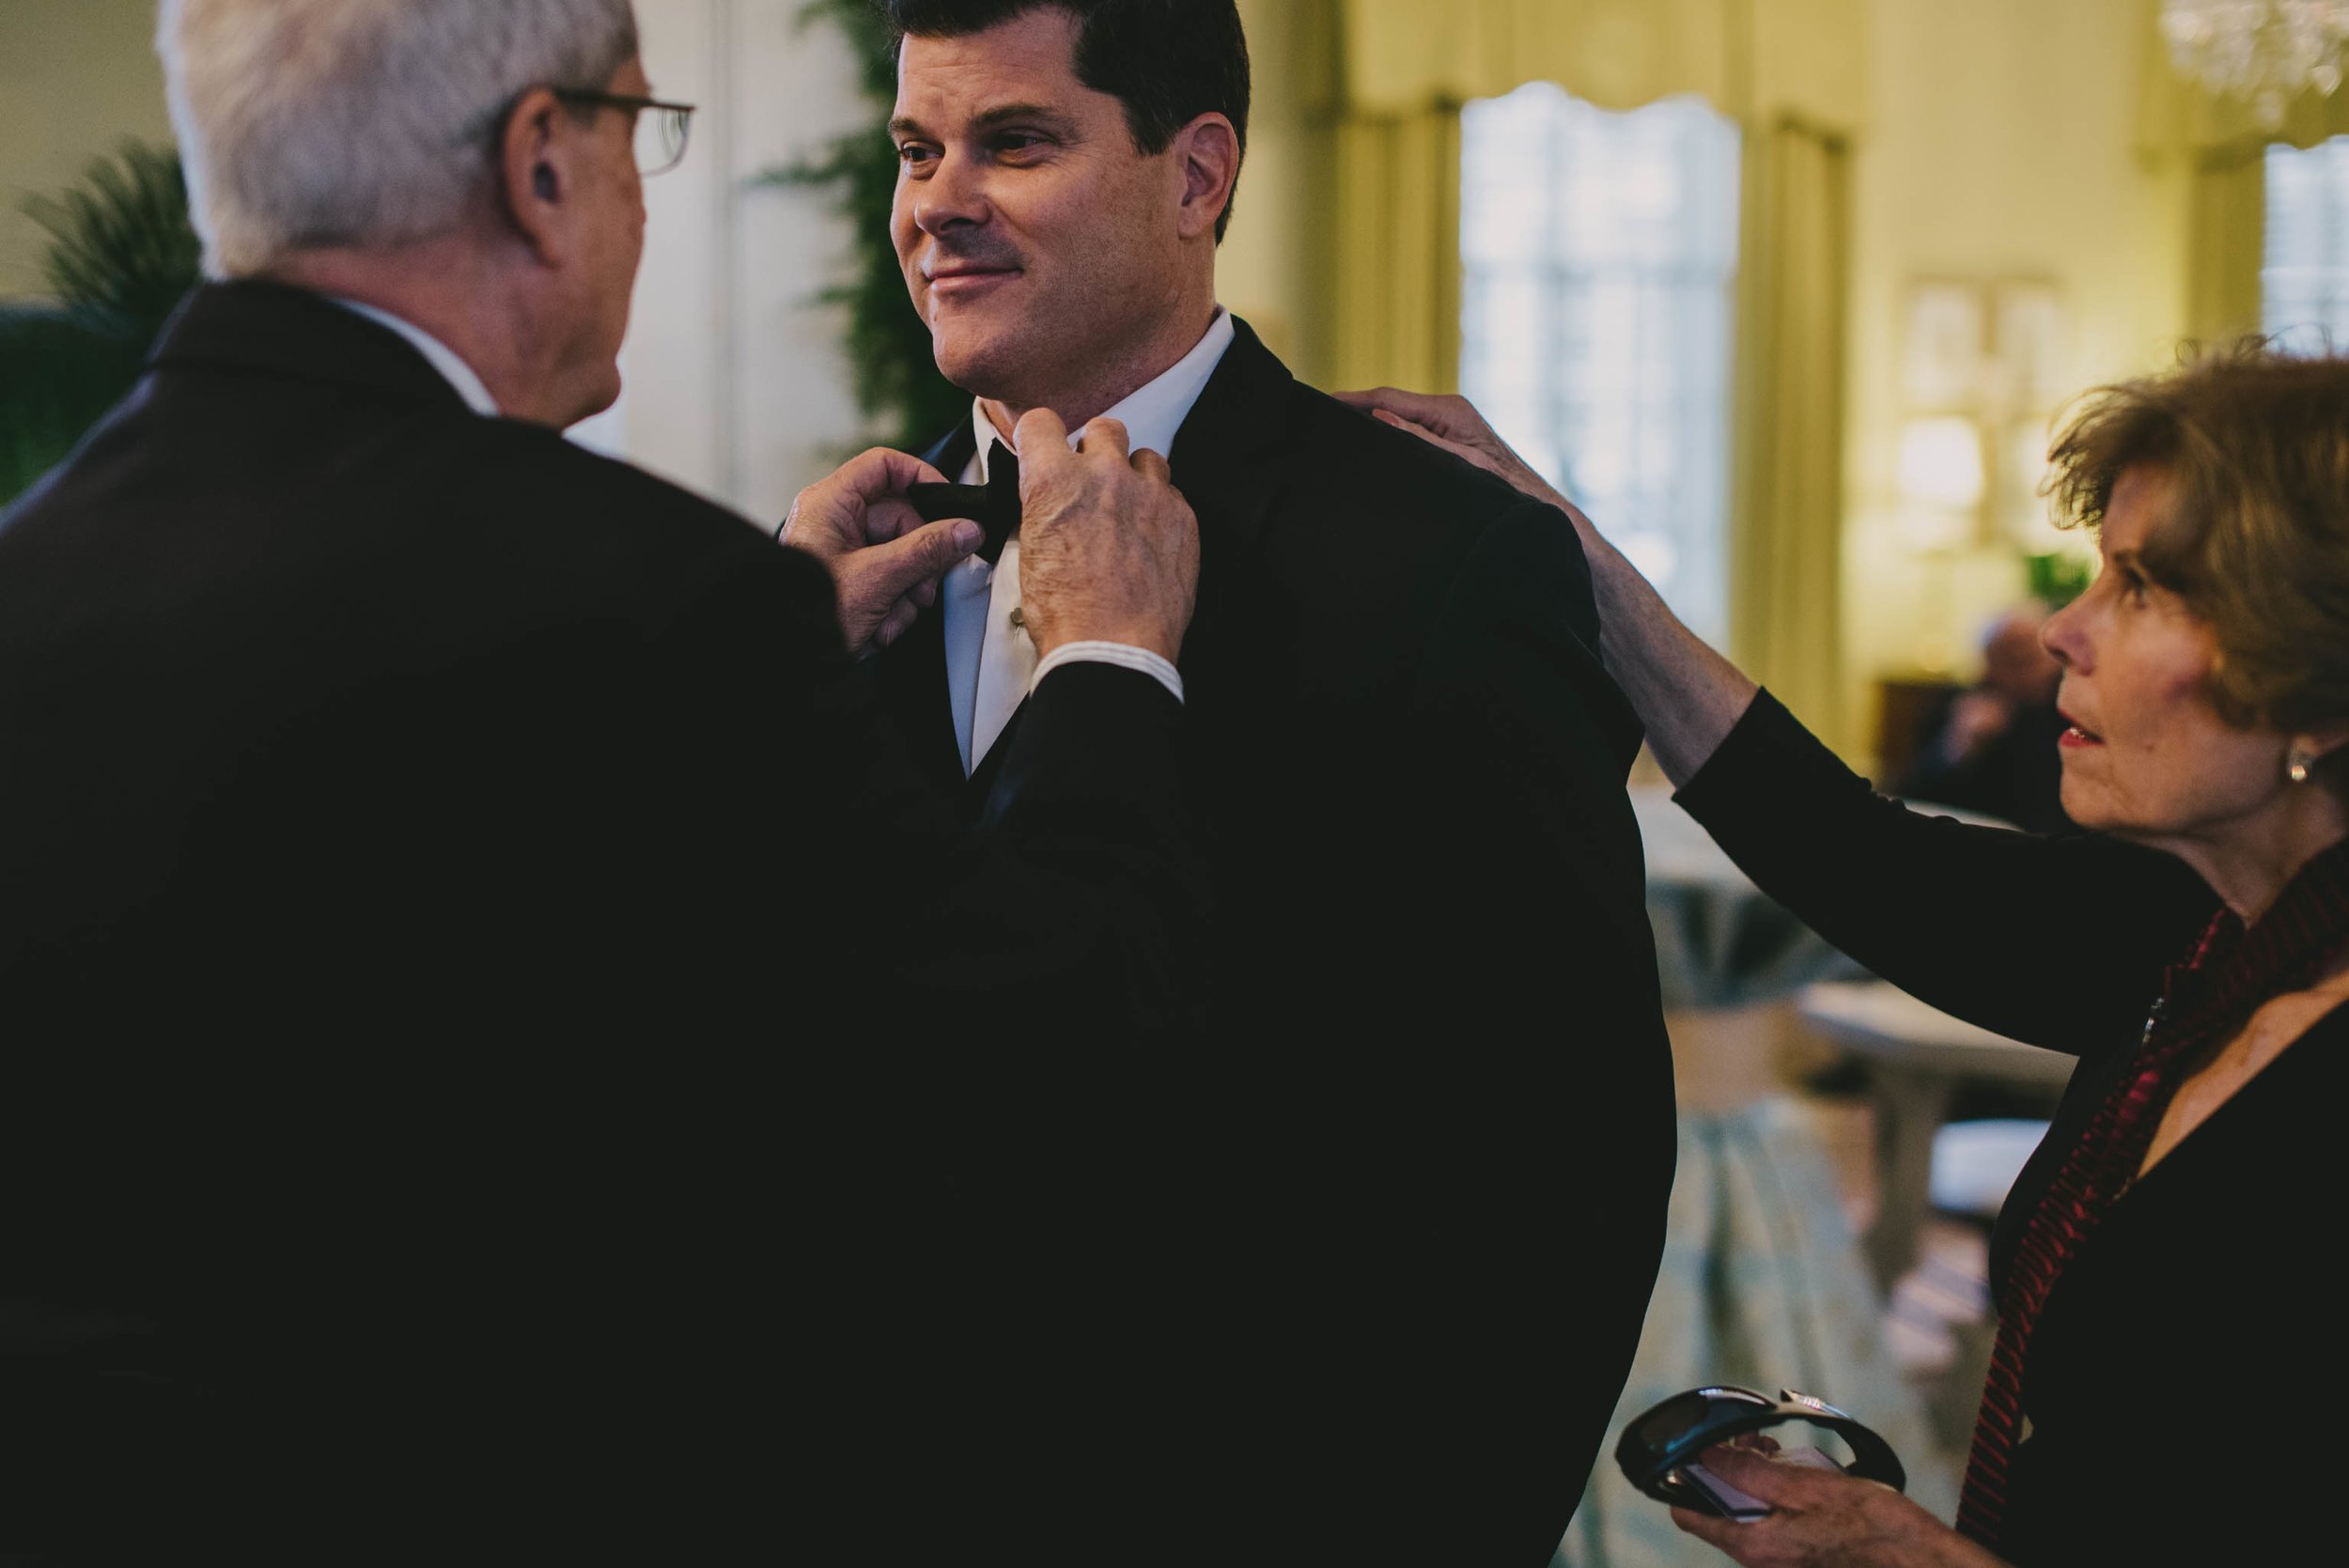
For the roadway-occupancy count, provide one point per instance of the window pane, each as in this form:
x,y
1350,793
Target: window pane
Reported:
x,y
2304,278
1599,252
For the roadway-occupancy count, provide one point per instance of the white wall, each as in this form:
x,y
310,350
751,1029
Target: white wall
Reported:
x,y
2001,142
735,381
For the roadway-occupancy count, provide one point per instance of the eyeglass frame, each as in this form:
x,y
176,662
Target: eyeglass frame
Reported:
x,y
1653,1464
633,103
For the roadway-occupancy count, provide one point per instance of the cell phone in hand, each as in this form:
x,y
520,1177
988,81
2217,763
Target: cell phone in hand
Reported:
x,y
1729,1502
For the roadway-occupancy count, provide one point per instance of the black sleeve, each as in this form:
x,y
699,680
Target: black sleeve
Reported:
x,y
932,1141
1524,844
586,1091
2058,941
1526,974
1086,831
1081,886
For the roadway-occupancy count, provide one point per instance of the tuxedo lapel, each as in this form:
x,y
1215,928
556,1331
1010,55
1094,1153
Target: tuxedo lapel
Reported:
x,y
983,777
952,452
1229,459
1226,455
911,674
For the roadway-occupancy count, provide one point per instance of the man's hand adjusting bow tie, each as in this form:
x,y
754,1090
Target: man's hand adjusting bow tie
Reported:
x,y
1110,550
885,561
994,506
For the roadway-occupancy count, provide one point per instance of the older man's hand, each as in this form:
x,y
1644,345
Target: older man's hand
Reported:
x,y
1109,550
885,561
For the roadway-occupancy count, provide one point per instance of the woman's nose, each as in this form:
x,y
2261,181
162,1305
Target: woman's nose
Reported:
x,y
2063,636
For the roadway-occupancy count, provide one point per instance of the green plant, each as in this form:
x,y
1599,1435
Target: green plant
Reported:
x,y
897,384
122,255
2056,580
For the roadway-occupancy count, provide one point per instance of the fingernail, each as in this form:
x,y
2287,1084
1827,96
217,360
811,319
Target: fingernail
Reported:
x,y
967,535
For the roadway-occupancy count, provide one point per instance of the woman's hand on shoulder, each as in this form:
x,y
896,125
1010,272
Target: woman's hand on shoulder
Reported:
x,y
1453,423
1825,1519
1688,696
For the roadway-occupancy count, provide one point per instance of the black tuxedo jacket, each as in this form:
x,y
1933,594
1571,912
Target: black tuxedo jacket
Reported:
x,y
1428,1146
464,935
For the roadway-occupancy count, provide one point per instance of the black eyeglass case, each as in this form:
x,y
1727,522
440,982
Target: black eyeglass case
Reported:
x,y
1659,1442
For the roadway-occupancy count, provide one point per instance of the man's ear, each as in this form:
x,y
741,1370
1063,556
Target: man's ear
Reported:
x,y
1207,153
538,170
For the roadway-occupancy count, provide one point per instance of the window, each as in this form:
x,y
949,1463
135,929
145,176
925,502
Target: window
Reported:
x,y
2304,278
1599,256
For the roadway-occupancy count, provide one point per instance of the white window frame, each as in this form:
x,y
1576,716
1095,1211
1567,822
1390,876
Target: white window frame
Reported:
x,y
1599,282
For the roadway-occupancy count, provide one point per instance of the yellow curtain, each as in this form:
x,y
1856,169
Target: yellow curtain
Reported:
x,y
1396,278
1745,57
2226,240
1786,508
1617,53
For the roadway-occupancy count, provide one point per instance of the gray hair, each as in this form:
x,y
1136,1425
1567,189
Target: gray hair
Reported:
x,y
359,122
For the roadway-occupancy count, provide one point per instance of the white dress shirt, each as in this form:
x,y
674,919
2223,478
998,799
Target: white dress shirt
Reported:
x,y
437,353
991,663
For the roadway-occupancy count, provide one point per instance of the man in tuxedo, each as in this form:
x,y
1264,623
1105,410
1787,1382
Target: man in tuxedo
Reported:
x,y
1427,1151
467,930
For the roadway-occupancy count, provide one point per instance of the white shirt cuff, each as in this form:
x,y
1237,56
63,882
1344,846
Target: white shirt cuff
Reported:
x,y
1153,665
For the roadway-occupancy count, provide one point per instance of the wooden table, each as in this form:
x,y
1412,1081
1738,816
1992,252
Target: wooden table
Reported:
x,y
1720,942
1917,1057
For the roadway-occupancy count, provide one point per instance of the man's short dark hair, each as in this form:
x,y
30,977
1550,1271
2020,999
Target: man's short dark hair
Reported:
x,y
1167,61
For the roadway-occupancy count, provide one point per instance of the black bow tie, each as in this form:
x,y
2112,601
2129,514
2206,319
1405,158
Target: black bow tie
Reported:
x,y
994,506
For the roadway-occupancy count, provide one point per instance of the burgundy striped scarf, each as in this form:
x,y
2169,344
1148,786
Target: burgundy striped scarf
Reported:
x,y
2205,1000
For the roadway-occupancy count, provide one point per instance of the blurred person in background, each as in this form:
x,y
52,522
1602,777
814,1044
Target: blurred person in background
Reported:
x,y
2166,1286
1992,748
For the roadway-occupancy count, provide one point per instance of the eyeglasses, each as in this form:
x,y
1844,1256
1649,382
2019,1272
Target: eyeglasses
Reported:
x,y
1674,1434
661,127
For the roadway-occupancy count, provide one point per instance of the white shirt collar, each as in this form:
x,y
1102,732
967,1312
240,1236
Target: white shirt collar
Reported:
x,y
439,354
1152,413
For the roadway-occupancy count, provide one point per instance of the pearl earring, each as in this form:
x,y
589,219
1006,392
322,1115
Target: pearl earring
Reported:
x,y
2296,765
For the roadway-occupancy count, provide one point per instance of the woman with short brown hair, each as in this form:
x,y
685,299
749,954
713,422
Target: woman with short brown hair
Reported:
x,y
2256,448
2164,1265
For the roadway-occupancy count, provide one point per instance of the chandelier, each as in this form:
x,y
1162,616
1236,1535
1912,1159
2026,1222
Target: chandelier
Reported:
x,y
2265,50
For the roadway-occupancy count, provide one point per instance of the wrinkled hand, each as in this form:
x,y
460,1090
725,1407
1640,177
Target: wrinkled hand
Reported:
x,y
1453,424
1109,550
1823,1519
885,561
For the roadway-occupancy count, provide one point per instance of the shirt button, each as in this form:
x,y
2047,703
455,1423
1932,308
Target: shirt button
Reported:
x,y
1019,616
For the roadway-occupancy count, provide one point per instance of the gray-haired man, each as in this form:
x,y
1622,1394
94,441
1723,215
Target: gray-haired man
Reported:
x,y
460,907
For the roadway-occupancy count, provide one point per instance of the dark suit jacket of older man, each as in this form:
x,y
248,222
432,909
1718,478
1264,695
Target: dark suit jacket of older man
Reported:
x,y
1428,1147
464,939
